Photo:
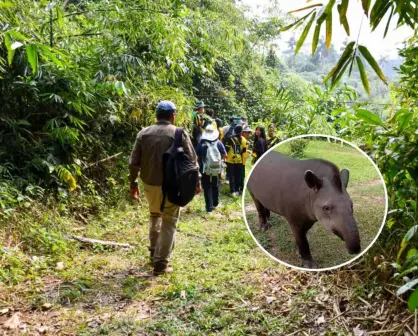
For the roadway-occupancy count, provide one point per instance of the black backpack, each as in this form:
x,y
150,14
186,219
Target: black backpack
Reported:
x,y
180,174
230,133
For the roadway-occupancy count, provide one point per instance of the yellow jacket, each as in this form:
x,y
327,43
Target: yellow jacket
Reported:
x,y
221,133
232,156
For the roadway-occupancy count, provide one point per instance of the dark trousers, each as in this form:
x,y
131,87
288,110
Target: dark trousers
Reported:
x,y
234,176
210,185
241,185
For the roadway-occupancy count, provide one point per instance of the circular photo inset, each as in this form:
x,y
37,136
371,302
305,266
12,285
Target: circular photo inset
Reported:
x,y
315,202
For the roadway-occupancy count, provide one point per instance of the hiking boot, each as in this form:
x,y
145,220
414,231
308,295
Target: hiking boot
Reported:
x,y
161,268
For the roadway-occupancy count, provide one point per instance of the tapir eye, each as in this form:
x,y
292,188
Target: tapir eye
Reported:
x,y
327,208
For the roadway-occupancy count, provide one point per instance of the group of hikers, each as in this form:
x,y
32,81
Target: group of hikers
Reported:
x,y
175,166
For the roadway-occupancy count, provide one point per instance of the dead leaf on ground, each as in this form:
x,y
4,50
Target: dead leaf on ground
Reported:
x,y
320,320
94,324
41,328
183,295
4,311
270,299
13,322
359,332
60,266
47,306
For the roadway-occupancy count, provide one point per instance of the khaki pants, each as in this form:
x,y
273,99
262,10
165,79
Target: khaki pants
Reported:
x,y
163,225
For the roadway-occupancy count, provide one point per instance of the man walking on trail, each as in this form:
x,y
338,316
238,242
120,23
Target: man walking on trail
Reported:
x,y
147,158
198,122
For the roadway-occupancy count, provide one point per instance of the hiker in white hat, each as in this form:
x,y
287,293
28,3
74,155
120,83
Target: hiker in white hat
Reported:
x,y
210,152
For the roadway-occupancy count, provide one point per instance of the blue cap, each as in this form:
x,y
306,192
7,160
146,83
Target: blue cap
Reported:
x,y
166,105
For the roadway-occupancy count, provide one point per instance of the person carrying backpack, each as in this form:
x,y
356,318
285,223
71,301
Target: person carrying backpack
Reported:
x,y
210,152
208,118
198,122
236,148
228,130
166,160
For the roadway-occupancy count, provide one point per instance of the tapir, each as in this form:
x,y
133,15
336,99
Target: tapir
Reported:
x,y
304,192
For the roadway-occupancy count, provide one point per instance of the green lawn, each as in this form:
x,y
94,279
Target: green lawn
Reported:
x,y
365,189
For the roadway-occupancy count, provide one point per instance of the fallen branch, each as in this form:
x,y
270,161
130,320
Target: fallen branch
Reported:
x,y
100,242
104,160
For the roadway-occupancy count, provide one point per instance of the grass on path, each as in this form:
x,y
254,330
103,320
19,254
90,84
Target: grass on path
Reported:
x,y
366,191
222,285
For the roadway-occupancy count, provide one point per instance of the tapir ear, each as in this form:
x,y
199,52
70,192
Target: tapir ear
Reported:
x,y
345,175
312,180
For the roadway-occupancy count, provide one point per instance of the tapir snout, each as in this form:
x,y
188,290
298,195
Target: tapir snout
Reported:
x,y
352,238
350,235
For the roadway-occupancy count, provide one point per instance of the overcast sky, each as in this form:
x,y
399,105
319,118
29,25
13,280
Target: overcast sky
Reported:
x,y
373,40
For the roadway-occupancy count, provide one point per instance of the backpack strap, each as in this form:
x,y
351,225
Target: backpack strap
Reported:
x,y
178,137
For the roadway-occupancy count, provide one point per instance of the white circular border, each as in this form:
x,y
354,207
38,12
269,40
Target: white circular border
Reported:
x,y
316,269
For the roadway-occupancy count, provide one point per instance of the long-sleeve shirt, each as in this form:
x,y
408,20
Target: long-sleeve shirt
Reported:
x,y
147,155
260,147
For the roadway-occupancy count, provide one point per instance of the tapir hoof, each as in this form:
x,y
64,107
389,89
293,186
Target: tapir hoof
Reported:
x,y
265,226
309,264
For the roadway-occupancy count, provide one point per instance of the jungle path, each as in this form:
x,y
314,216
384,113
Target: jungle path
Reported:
x,y
222,284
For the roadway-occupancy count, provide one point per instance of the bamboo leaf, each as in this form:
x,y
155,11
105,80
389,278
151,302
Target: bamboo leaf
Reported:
x,y
341,62
403,121
342,9
378,12
10,51
369,117
304,8
296,22
369,58
46,52
366,6
363,75
17,35
337,78
316,37
328,25
387,25
6,5
60,18
413,301
32,53
305,33
352,62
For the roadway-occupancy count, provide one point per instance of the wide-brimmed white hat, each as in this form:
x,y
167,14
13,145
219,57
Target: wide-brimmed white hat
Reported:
x,y
210,133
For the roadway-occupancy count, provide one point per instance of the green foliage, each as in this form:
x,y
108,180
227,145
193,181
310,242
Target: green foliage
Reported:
x,y
405,11
297,147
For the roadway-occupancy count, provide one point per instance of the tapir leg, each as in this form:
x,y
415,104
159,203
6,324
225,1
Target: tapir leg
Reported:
x,y
299,232
262,218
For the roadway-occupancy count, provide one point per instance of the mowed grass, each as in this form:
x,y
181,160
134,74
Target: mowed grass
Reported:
x,y
366,191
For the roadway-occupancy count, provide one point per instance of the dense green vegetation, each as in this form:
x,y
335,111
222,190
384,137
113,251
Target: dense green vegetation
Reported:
x,y
78,79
